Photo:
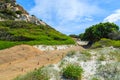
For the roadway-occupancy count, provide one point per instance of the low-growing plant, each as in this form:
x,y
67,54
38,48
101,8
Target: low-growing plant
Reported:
x,y
95,78
22,32
101,58
71,53
84,56
115,55
73,72
110,71
106,42
35,75
86,53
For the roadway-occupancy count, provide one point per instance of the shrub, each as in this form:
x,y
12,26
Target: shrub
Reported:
x,y
98,31
19,12
73,72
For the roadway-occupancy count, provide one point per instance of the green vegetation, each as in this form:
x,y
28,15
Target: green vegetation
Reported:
x,y
110,71
106,42
73,72
98,31
19,12
71,53
20,32
115,55
7,14
101,58
95,79
86,53
35,75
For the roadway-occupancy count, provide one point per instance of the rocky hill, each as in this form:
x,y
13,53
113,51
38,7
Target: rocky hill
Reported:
x,y
18,27
9,10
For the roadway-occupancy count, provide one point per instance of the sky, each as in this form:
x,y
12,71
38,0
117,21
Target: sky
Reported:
x,y
73,16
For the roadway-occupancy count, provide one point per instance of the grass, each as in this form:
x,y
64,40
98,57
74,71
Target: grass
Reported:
x,y
110,71
101,58
71,53
95,79
72,72
20,32
115,55
86,53
7,44
106,42
35,75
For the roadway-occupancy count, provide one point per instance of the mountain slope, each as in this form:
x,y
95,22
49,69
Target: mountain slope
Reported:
x,y
18,27
20,32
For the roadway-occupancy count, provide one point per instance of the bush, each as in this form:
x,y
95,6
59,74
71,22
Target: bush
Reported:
x,y
19,12
73,72
98,31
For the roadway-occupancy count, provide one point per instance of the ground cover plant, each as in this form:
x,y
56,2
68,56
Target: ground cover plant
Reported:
x,y
21,32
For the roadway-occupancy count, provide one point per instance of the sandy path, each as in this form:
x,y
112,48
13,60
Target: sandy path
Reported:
x,y
26,58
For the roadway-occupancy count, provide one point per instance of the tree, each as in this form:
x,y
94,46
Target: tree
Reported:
x,y
98,31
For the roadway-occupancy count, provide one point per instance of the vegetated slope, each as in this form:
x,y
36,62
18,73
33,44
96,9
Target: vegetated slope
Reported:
x,y
106,42
21,32
18,27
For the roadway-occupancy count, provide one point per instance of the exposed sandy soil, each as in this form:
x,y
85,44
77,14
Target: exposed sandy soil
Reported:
x,y
23,58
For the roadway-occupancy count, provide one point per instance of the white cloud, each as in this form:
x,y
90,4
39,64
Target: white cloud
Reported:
x,y
60,13
113,17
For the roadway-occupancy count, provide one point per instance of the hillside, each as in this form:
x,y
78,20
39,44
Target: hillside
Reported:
x,y
18,27
21,32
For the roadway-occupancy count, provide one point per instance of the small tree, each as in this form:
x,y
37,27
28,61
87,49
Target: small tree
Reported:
x,y
98,31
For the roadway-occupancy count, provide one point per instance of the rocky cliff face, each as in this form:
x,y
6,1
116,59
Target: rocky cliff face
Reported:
x,y
9,10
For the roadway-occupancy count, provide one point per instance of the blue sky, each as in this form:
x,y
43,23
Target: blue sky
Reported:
x,y
73,16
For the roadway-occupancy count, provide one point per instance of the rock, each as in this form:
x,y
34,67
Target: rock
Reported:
x,y
11,6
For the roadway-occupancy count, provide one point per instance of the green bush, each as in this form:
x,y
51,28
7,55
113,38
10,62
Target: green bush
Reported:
x,y
98,31
8,13
73,72
19,12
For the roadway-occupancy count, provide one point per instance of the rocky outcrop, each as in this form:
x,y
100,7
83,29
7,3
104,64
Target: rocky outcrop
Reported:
x,y
16,12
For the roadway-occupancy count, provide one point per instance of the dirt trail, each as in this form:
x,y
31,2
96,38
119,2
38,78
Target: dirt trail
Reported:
x,y
21,59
